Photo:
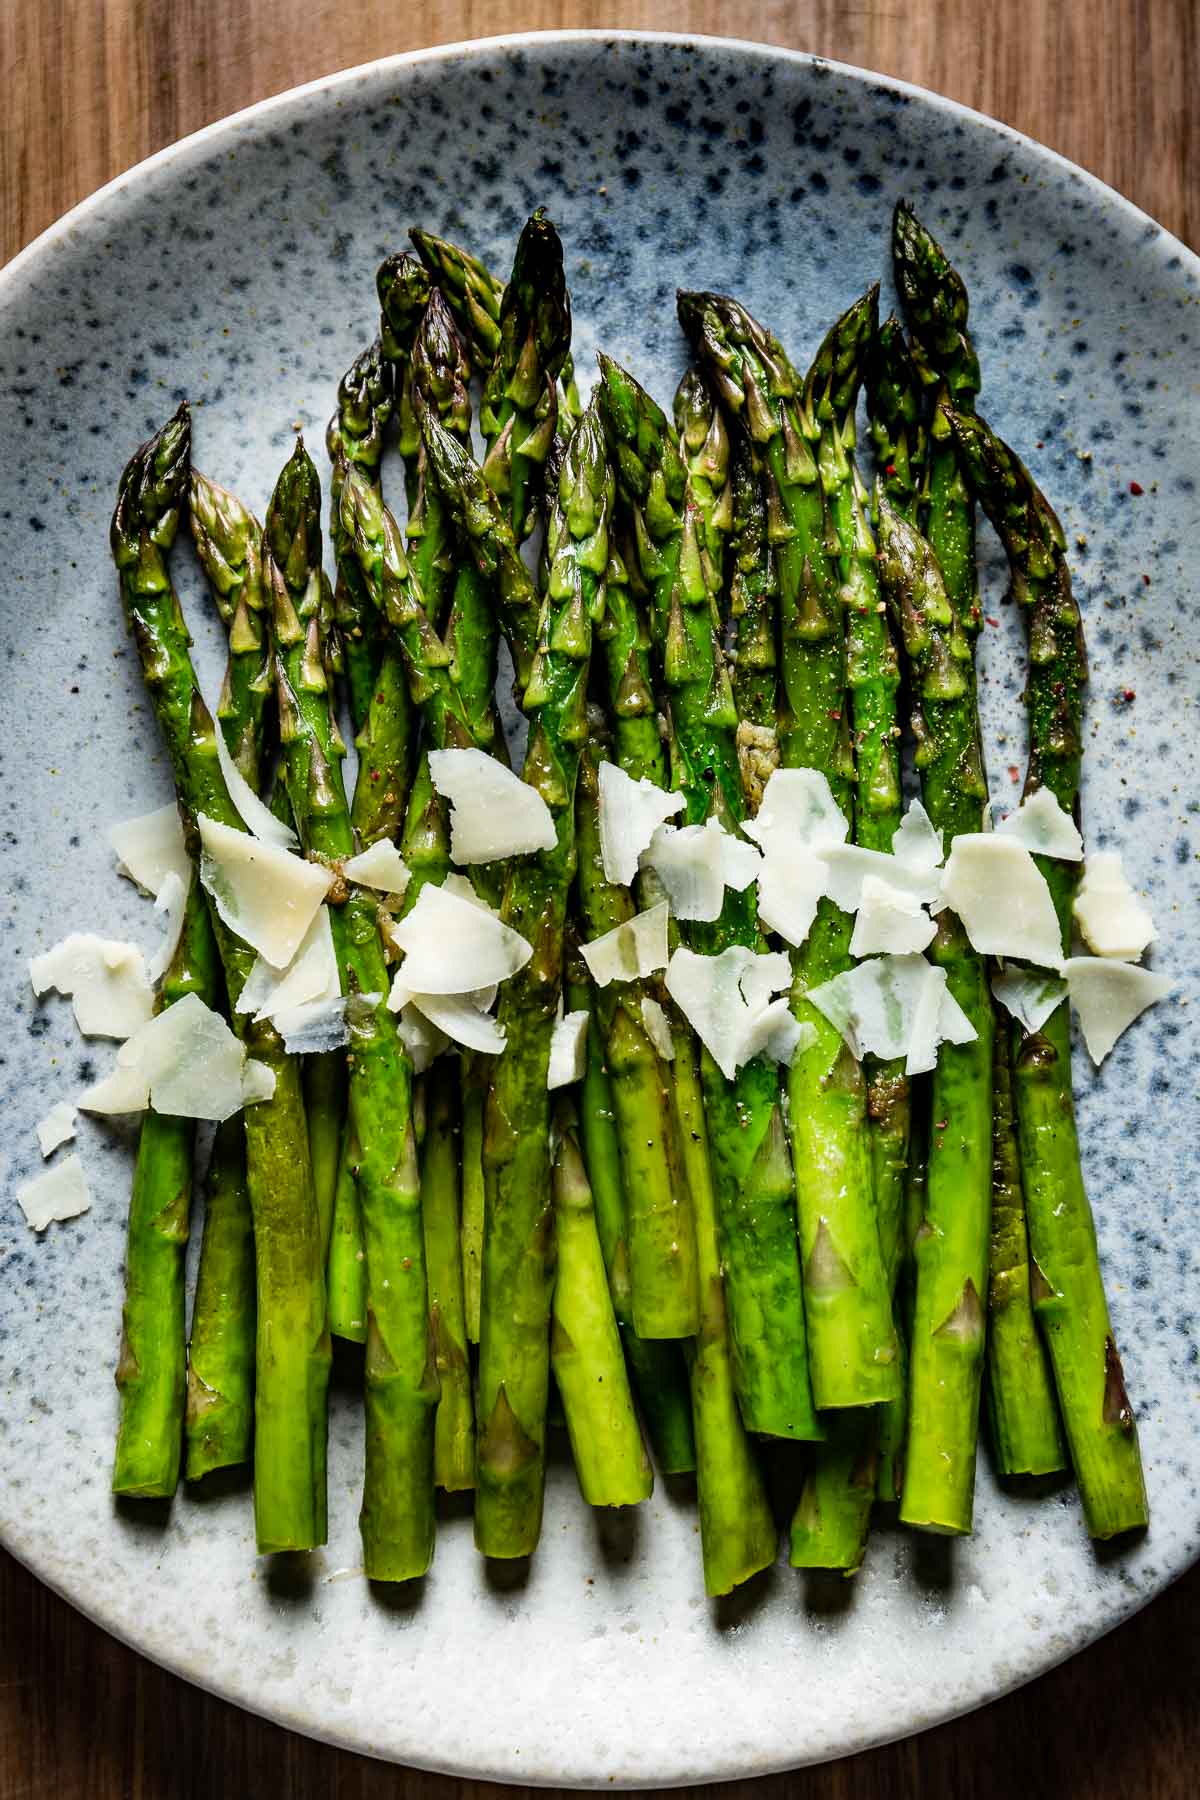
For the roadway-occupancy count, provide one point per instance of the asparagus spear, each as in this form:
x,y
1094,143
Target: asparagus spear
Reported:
x,y
517,1248
454,1435
1067,1285
292,1362
656,1365
401,1380
355,433
704,445
403,287
747,1140
753,606
852,1345
585,1347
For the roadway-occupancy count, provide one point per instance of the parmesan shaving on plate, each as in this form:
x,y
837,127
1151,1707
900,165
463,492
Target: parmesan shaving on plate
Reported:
x,y
185,1062
917,841
1030,995
634,948
172,900
568,1050
107,981
422,1040
1041,825
1111,918
266,896
494,814
630,813
463,886
790,885
452,946
723,998
314,1027
892,1007
381,866
1002,899
798,805
696,863
849,866
1108,996
151,847
310,977
460,1018
658,1028
889,920
254,814
59,1193
258,1082
58,1127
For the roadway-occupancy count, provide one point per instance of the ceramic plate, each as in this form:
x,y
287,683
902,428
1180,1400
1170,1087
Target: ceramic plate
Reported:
x,y
237,268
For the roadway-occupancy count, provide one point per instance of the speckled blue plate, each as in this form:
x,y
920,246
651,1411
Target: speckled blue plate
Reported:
x,y
237,268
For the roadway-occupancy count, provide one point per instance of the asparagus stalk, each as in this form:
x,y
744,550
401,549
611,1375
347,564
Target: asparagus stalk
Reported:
x,y
403,287
585,1346
753,608
517,1247
705,448
401,1381
1066,1281
292,1358
656,1365
356,432
454,1435
852,1344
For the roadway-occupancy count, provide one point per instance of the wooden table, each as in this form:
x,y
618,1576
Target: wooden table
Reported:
x,y
90,87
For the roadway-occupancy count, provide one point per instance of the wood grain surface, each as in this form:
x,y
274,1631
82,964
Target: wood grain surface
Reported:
x,y
88,87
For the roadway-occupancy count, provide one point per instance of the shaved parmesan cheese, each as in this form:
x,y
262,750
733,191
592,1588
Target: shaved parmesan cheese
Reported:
x,y
1001,896
790,884
739,862
258,1082
185,1062
889,920
60,1193
107,982
313,1028
568,1050
798,805
849,866
723,998
461,1019
892,1007
630,813
266,896
1113,921
658,1028
687,860
421,1039
1108,996
381,867
58,1127
1041,825
1030,995
635,948
452,946
310,978
255,815
463,886
776,1034
494,814
917,841
172,900
150,848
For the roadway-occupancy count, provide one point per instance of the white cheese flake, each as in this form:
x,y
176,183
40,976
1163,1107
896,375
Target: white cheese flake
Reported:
x,y
1002,899
494,814
1112,919
59,1193
106,980
1041,826
380,866
917,841
798,806
172,900
658,1028
254,813
185,1062
310,978
568,1050
266,896
635,948
314,1027
1030,995
58,1127
739,862
1108,996
892,1007
452,946
790,885
421,1039
849,866
889,920
464,887
687,860
461,1018
723,998
151,847
630,813
258,1082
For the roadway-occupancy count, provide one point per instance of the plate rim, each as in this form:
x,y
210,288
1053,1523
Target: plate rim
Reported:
x,y
1164,245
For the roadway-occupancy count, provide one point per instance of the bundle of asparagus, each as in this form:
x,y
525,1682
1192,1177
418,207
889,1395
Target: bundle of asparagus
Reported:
x,y
731,1217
